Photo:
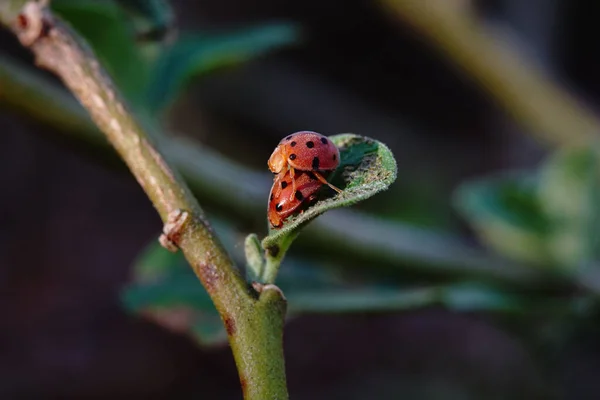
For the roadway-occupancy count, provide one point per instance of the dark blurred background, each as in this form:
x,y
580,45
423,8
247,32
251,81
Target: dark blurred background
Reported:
x,y
71,227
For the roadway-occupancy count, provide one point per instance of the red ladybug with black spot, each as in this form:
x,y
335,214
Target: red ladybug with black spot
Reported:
x,y
305,151
284,200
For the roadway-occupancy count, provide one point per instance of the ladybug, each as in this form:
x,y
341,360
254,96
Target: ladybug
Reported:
x,y
305,151
284,200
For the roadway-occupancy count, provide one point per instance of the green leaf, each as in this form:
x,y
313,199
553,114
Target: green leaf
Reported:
x,y
193,55
367,167
105,27
569,194
505,212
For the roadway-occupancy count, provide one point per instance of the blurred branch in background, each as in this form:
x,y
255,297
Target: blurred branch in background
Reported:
x,y
547,110
346,234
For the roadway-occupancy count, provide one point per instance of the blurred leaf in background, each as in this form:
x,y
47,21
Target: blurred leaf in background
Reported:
x,y
569,194
505,212
549,217
154,81
195,54
165,290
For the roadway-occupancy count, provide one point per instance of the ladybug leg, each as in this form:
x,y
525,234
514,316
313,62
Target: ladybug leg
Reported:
x,y
293,183
324,181
276,189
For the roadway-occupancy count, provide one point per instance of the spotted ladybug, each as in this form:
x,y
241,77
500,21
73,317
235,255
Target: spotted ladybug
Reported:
x,y
305,151
284,200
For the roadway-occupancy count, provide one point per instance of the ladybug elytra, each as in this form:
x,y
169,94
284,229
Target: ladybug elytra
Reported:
x,y
285,200
305,151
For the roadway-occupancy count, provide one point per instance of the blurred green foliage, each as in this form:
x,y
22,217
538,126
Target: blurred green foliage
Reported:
x,y
151,82
547,217
505,213
196,54
569,195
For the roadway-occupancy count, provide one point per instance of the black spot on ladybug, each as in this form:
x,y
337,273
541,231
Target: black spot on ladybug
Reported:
x,y
323,140
278,207
299,195
271,198
289,137
334,157
293,144
310,144
284,184
315,163
292,156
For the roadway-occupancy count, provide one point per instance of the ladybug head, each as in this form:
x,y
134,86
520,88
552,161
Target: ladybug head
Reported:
x,y
277,161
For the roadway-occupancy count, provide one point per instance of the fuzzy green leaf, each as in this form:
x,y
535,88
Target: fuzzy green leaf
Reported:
x,y
195,54
366,168
505,212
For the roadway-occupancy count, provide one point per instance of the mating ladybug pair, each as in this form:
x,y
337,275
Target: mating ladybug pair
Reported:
x,y
299,162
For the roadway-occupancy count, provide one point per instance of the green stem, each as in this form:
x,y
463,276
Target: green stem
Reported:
x,y
274,255
254,324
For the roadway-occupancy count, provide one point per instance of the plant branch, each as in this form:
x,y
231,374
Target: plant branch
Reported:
x,y
549,111
254,323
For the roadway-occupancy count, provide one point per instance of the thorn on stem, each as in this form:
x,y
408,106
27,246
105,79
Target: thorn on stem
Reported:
x,y
172,229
